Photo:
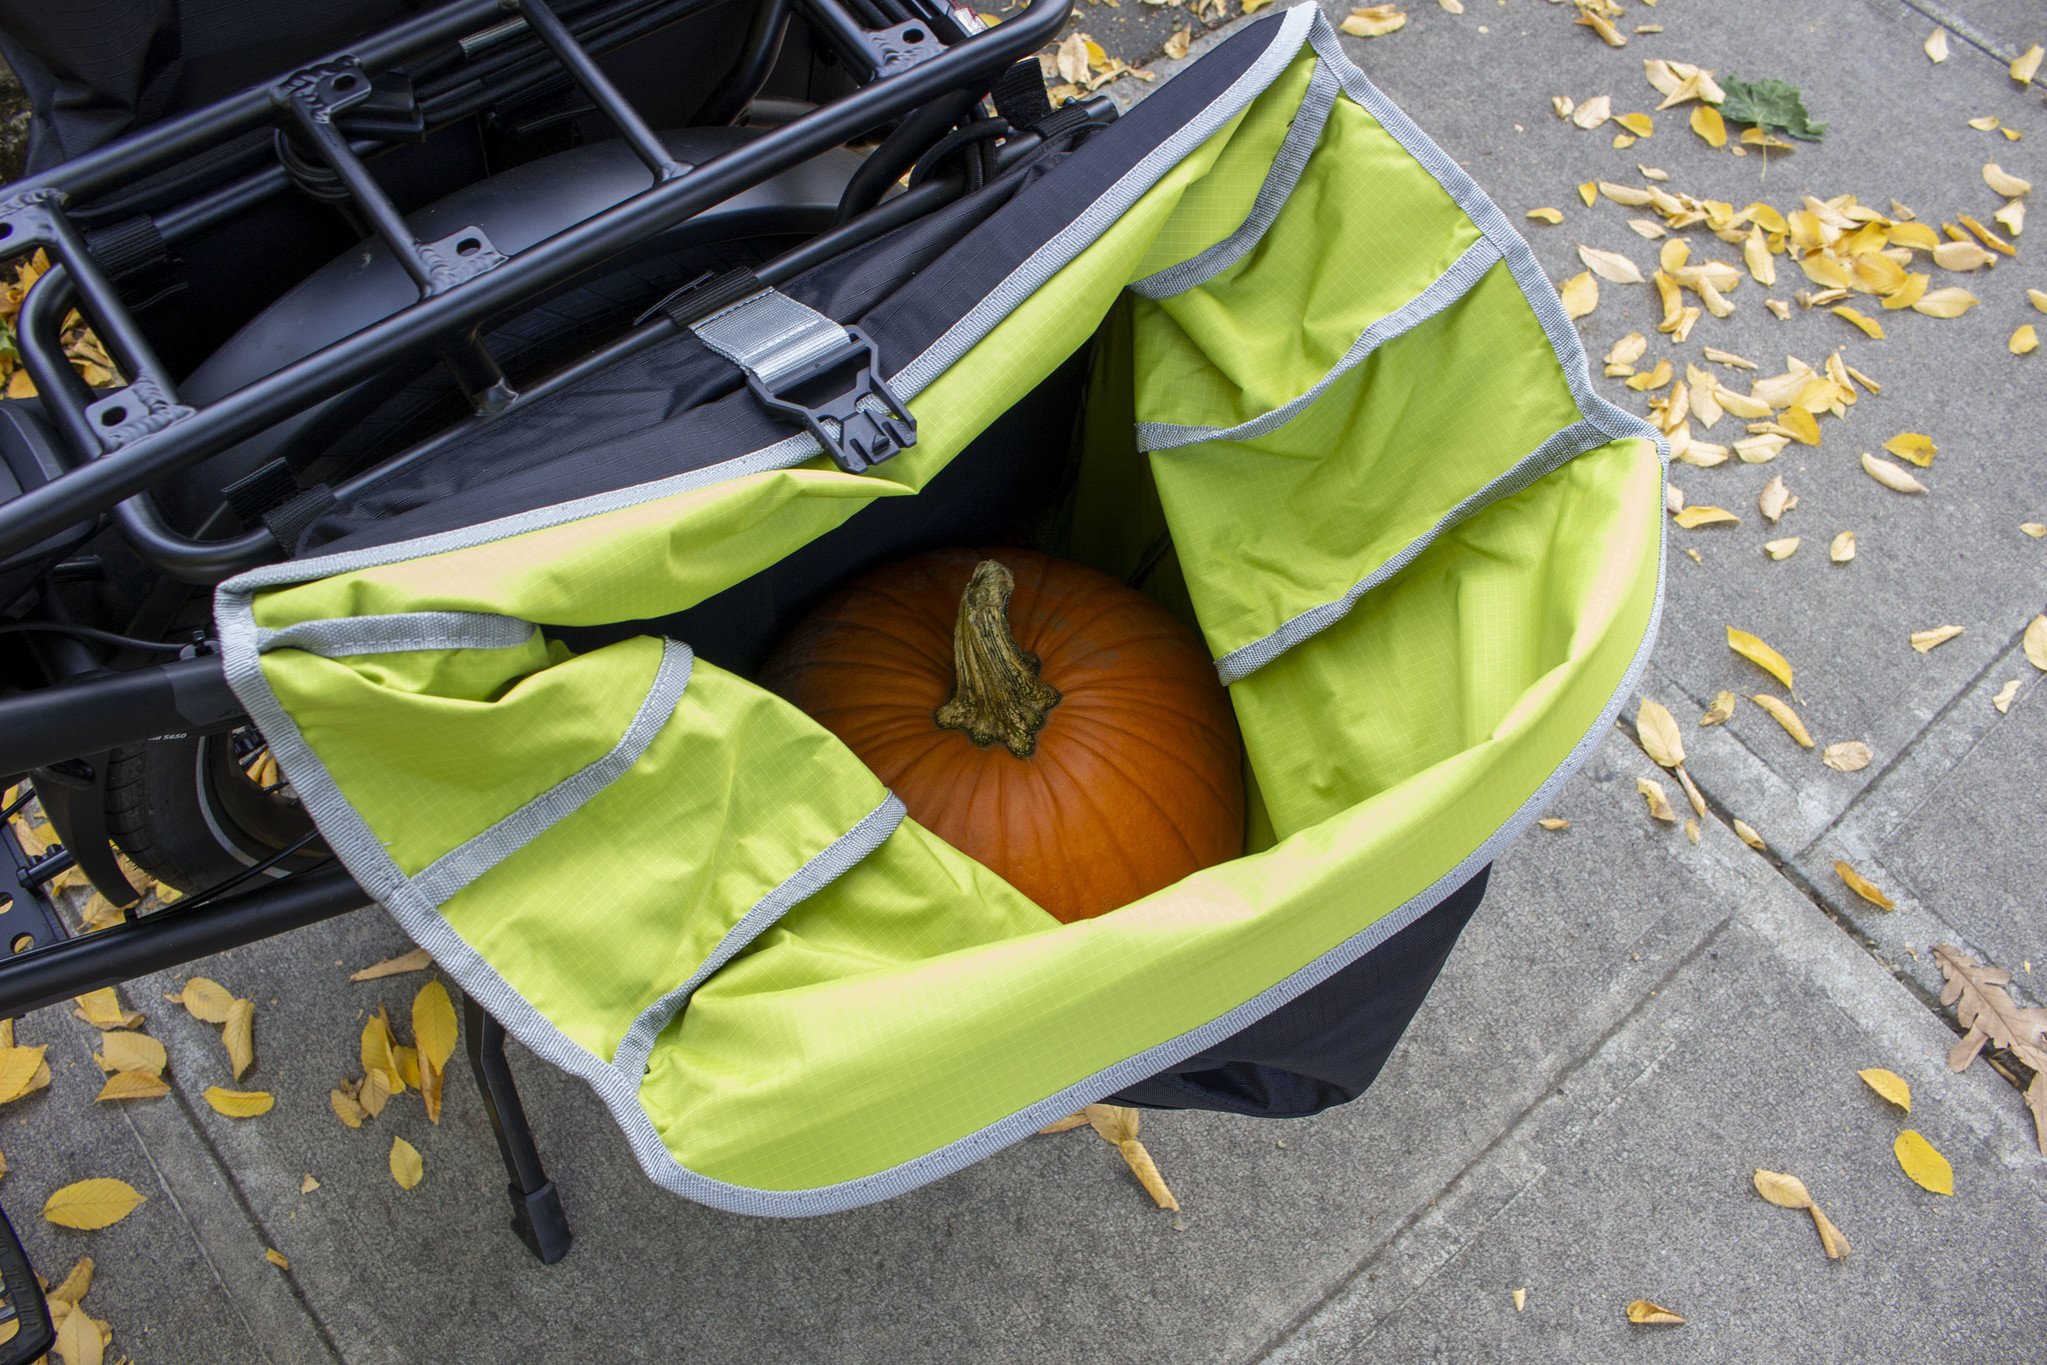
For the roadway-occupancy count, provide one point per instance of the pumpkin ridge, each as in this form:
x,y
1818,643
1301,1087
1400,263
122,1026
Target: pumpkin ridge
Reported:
x,y
1132,875
1172,753
1144,790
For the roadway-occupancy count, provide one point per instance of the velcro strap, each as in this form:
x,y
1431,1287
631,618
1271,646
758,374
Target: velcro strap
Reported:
x,y
1019,95
289,520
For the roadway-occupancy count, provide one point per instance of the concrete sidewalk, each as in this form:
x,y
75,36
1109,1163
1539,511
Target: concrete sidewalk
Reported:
x,y
1630,1026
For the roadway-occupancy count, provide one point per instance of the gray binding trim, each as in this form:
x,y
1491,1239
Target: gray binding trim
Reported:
x,y
359,849
1287,166
399,633
464,863
814,876
1448,287
1553,454
770,335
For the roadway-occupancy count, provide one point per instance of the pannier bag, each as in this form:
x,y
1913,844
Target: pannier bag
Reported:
x,y
1259,348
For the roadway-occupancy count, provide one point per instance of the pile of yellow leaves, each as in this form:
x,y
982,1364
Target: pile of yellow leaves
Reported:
x,y
1082,66
87,355
391,1068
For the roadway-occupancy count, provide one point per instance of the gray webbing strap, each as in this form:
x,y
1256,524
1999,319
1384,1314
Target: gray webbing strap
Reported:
x,y
770,335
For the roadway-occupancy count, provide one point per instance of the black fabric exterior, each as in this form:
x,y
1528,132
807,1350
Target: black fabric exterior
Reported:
x,y
1325,1046
679,406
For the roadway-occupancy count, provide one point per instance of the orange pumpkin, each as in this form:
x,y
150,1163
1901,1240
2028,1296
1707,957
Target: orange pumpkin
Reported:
x,y
1056,726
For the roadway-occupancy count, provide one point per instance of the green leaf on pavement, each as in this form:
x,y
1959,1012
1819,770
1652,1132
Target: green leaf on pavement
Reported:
x,y
1769,104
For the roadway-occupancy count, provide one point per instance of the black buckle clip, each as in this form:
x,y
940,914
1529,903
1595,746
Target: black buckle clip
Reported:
x,y
824,390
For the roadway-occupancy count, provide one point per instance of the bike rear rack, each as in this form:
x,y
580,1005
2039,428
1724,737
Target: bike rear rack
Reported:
x,y
122,442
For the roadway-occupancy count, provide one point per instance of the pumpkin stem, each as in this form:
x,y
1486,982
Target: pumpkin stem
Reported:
x,y
996,690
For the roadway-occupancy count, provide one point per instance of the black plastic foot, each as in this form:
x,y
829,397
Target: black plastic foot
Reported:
x,y
540,1222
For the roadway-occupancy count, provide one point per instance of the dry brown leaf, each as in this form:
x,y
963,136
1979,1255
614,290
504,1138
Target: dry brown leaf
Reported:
x,y
133,1085
1890,475
1659,804
1843,548
238,1034
1918,1158
415,961
121,1051
2036,1093
407,1166
205,999
1926,641
1863,886
92,1204
1721,709
1982,1004
1657,729
1758,652
1782,713
1849,756
2006,695
240,1104
1936,45
1746,832
1888,1084
1644,1313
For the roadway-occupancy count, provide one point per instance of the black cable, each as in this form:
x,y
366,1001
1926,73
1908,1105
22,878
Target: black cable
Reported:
x,y
953,142
105,637
221,888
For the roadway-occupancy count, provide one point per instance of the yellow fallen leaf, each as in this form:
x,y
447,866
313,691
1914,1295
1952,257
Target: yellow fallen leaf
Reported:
x,y
308,1185
1547,215
1912,446
1580,294
2004,182
239,1104
1641,125
1785,1191
414,961
346,1108
276,1258
1782,713
1147,1172
1610,265
238,1033
121,1051
133,1085
1890,476
2036,642
1775,500
1657,729
1863,886
1888,1084
1746,832
1867,325
1962,256
1926,641
1659,804
1708,124
1756,651
1946,303
1554,822
1928,1169
102,1009
1691,518
19,1069
1065,1125
79,1341
2012,217
1781,549
205,999
2038,298
1644,1313
408,1064
2026,65
433,1024
76,1283
1693,795
1721,709
91,1204
1848,756
1520,1297
2024,341
1843,548
407,1166
1936,45
1654,379
1374,21
376,1052
1907,294
2006,695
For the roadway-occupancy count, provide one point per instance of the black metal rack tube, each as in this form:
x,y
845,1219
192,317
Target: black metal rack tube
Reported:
x,y
606,96
92,715
121,474
170,937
